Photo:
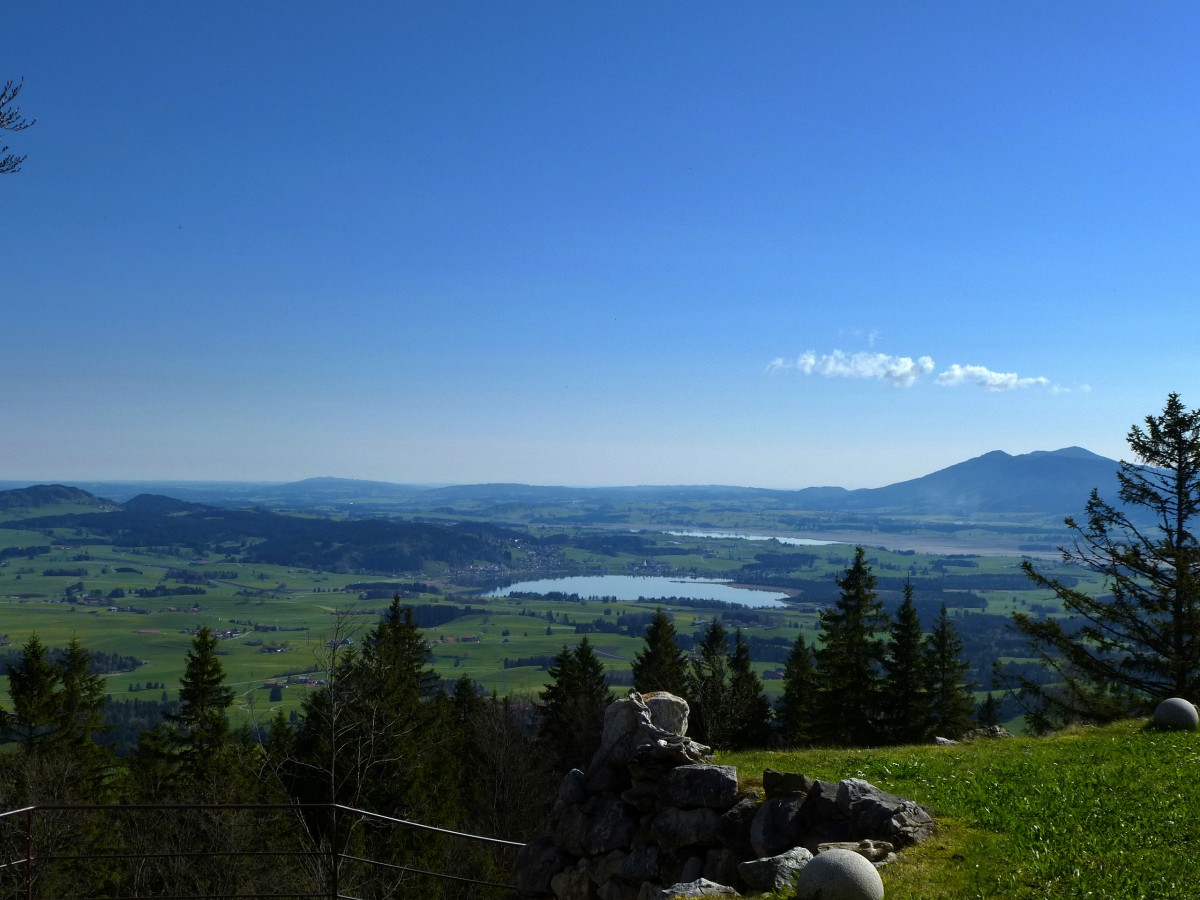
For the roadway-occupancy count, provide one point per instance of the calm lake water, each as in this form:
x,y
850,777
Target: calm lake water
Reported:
x,y
631,587
790,541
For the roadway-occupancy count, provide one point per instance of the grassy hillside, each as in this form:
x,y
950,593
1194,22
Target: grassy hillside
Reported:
x,y
1099,812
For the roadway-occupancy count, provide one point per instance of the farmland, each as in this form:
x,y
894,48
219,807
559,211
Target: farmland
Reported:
x,y
63,575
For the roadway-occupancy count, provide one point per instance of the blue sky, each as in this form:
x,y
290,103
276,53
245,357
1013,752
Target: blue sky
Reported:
x,y
768,244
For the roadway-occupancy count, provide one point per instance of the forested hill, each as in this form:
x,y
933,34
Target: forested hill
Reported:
x,y
253,535
48,495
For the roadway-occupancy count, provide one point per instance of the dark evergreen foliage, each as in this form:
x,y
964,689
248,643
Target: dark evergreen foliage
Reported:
x,y
795,710
708,689
200,729
1139,642
572,707
849,687
951,697
750,711
662,666
31,686
907,710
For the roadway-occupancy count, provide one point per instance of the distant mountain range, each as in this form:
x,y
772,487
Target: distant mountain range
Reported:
x,y
1054,482
1057,481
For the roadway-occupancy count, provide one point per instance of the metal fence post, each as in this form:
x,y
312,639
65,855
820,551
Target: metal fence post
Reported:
x,y
29,854
333,855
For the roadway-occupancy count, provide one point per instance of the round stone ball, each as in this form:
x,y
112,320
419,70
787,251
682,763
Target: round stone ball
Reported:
x,y
839,875
1176,713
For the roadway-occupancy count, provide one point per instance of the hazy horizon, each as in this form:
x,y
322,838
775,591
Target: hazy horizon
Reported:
x,y
785,245
434,485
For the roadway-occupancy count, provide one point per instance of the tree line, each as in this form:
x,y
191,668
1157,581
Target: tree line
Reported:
x,y
382,735
868,681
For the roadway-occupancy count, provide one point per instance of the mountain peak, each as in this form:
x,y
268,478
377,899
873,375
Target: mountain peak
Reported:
x,y
1067,453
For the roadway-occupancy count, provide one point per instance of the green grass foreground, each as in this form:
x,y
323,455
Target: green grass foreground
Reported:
x,y
1110,812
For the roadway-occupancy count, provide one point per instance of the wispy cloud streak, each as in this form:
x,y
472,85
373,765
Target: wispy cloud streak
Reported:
x,y
985,378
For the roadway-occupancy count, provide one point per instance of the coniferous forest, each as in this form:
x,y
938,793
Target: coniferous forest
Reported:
x,y
384,739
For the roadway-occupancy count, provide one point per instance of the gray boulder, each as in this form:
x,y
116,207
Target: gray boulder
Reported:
x,y
599,826
630,732
674,828
572,789
839,875
689,787
785,784
667,711
735,827
574,883
821,803
777,826
721,866
610,865
642,863
702,887
774,873
1177,714
537,862
651,761
641,794
693,870
881,815
986,732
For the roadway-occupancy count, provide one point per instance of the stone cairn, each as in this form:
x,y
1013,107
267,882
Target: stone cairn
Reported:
x,y
653,818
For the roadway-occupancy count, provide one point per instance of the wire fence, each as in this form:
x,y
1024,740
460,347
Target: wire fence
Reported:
x,y
312,851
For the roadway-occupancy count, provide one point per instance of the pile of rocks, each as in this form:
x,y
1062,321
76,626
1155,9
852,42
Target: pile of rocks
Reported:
x,y
652,814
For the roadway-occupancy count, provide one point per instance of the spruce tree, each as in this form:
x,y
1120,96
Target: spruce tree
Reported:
x,y
381,736
201,727
951,699
79,712
573,706
750,711
662,666
32,686
849,689
795,710
79,717
907,712
1119,652
708,690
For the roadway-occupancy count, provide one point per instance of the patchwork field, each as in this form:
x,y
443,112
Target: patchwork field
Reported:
x,y
276,621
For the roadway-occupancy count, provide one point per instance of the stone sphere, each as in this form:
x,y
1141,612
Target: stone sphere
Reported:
x,y
839,875
1175,712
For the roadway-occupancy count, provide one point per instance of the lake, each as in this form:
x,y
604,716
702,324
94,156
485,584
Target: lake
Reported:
x,y
789,541
631,587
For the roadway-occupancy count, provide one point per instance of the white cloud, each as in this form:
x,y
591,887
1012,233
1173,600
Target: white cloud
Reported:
x,y
899,371
987,379
904,371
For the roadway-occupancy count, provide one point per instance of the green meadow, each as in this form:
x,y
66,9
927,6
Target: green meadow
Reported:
x,y
1087,813
305,607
